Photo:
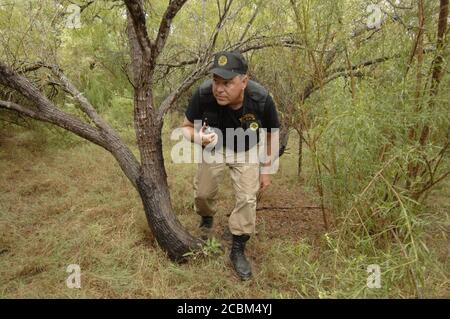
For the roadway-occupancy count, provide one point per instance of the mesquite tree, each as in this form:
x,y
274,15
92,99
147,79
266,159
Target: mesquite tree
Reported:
x,y
147,174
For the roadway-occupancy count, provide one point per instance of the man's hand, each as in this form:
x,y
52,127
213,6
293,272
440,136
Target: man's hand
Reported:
x,y
264,182
207,138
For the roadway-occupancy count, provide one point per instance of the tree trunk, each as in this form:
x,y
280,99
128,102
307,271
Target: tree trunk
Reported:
x,y
436,77
152,182
170,234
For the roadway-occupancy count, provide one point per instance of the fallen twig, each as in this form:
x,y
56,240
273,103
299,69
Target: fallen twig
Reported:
x,y
287,208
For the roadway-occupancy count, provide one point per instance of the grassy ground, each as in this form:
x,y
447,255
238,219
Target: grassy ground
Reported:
x,y
65,203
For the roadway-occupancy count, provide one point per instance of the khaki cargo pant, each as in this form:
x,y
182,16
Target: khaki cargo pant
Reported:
x,y
245,179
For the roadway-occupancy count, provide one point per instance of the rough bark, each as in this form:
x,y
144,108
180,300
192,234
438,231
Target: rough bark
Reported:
x,y
152,182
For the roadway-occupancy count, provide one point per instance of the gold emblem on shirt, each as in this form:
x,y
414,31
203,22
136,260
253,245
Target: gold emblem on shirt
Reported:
x,y
250,120
254,126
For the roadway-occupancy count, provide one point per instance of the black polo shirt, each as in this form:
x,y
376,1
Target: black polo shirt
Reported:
x,y
229,118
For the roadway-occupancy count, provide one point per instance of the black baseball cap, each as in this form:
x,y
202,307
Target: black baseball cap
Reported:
x,y
228,64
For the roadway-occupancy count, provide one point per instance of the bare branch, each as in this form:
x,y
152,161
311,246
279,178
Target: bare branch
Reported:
x,y
187,83
85,105
430,184
287,43
137,14
262,42
220,24
59,118
19,108
164,27
46,111
245,46
363,64
252,19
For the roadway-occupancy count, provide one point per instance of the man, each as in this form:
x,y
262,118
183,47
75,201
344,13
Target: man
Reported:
x,y
231,103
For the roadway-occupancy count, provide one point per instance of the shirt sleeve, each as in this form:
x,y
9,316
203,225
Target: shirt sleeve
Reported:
x,y
193,111
270,120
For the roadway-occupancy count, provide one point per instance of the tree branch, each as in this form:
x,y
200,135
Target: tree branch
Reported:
x,y
60,119
46,111
430,184
137,14
85,105
362,64
19,109
252,19
187,83
246,46
220,24
164,27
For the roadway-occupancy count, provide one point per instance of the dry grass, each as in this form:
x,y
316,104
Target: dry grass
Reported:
x,y
72,205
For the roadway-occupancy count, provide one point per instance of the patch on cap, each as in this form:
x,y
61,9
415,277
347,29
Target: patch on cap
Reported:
x,y
222,60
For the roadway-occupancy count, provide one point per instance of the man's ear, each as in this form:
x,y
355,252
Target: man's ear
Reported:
x,y
245,81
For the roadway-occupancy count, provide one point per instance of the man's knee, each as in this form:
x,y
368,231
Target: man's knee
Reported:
x,y
246,197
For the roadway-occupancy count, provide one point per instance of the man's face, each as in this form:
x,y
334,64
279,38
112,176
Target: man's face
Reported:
x,y
229,92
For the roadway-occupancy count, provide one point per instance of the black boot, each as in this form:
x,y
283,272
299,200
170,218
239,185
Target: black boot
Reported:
x,y
206,226
238,259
